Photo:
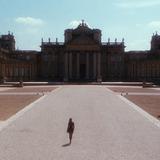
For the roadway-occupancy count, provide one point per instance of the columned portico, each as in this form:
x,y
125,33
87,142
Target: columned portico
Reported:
x,y
83,59
87,67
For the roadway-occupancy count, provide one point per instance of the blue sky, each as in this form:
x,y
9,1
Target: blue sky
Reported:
x,y
30,20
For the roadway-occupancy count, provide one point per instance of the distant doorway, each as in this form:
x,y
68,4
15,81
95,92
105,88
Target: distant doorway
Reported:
x,y
82,71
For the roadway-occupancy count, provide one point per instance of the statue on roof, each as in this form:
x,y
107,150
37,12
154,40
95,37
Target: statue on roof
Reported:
x,y
83,23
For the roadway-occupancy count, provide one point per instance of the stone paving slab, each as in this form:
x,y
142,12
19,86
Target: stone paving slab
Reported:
x,y
107,128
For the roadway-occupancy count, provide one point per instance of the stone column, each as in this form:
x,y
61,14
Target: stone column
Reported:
x,y
87,65
78,66
99,78
65,66
94,66
70,65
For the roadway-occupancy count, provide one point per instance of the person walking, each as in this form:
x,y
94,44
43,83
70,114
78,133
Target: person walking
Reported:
x,y
70,129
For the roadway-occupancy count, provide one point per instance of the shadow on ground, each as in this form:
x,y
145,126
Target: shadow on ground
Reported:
x,y
66,145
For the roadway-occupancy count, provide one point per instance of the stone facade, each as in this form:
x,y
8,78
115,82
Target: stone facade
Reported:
x,y
81,57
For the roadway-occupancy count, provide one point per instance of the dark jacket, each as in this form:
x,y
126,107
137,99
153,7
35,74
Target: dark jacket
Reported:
x,y
70,128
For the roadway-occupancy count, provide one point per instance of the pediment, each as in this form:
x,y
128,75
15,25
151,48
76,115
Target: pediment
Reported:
x,y
82,40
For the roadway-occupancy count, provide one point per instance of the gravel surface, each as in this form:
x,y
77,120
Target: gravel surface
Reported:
x,y
106,128
150,104
31,89
129,89
11,104
146,98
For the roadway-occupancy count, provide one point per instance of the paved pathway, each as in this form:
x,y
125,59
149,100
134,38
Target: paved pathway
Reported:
x,y
107,128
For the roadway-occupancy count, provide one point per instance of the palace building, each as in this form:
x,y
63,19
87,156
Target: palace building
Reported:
x,y
81,57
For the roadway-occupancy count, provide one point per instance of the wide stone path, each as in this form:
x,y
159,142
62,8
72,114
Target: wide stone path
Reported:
x,y
107,128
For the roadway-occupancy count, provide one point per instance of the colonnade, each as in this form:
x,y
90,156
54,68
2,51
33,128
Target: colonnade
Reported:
x,y
15,71
96,66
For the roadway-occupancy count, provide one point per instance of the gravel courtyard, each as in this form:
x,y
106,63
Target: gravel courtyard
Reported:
x,y
146,98
106,128
12,100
